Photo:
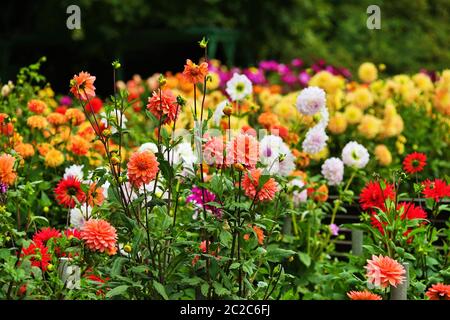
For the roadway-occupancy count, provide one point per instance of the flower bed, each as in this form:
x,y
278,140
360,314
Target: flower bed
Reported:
x,y
225,184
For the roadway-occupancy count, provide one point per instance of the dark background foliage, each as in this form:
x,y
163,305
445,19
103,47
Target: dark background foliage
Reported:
x,y
151,36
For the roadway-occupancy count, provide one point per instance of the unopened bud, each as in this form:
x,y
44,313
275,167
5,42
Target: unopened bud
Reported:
x,y
46,209
203,43
228,110
127,248
50,267
239,167
107,133
115,160
116,64
162,80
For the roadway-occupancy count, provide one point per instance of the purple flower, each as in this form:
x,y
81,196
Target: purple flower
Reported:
x,y
289,78
66,101
3,187
304,78
283,69
297,63
334,229
196,197
256,76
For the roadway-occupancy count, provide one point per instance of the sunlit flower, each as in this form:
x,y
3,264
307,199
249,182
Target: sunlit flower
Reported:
x,y
195,73
333,171
355,155
25,150
54,158
75,116
100,236
82,86
239,87
45,234
338,123
78,145
67,190
164,108
383,155
384,271
253,190
353,114
363,295
311,100
56,118
142,168
7,173
36,106
367,72
369,126
37,122
374,196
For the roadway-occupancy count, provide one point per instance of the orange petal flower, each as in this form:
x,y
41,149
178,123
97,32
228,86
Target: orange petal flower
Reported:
x,y
95,195
7,174
363,295
36,106
99,235
384,271
82,86
439,291
250,183
142,168
195,73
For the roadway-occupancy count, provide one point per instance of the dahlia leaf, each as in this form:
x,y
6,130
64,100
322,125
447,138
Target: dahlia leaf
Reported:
x,y
160,289
117,291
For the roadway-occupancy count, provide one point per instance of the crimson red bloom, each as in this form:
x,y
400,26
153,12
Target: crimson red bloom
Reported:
x,y
72,233
410,212
38,255
439,291
95,105
45,234
436,189
373,196
68,189
61,109
414,162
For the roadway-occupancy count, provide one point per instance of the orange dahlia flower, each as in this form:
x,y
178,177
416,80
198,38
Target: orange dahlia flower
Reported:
x,y
37,122
7,174
195,73
75,116
142,168
163,107
99,235
250,183
56,118
384,271
25,150
82,86
439,291
78,146
95,195
363,295
36,106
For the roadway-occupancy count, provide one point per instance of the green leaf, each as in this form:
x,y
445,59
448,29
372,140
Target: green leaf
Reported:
x,y
117,291
275,254
160,289
226,238
305,258
204,289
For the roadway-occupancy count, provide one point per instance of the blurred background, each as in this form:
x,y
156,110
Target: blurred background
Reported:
x,y
157,36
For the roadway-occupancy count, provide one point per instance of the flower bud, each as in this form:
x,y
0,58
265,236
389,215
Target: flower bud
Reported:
x,y
228,110
239,167
50,267
127,248
46,209
106,133
115,160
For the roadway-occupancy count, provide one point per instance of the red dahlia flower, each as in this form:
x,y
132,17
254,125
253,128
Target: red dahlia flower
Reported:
x,y
373,196
414,162
46,234
68,189
163,107
439,291
38,254
436,189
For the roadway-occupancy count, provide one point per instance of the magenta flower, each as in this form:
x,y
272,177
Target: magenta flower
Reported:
x,y
196,197
334,229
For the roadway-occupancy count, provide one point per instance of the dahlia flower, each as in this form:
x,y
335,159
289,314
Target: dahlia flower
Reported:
x,y
315,140
373,196
363,295
239,87
36,106
384,271
436,189
194,73
142,168
68,189
38,255
163,107
276,155
243,149
250,184
99,235
355,155
114,120
200,197
148,146
213,151
45,234
78,216
333,171
311,100
82,86
218,112
7,173
414,162
439,291
54,158
298,196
